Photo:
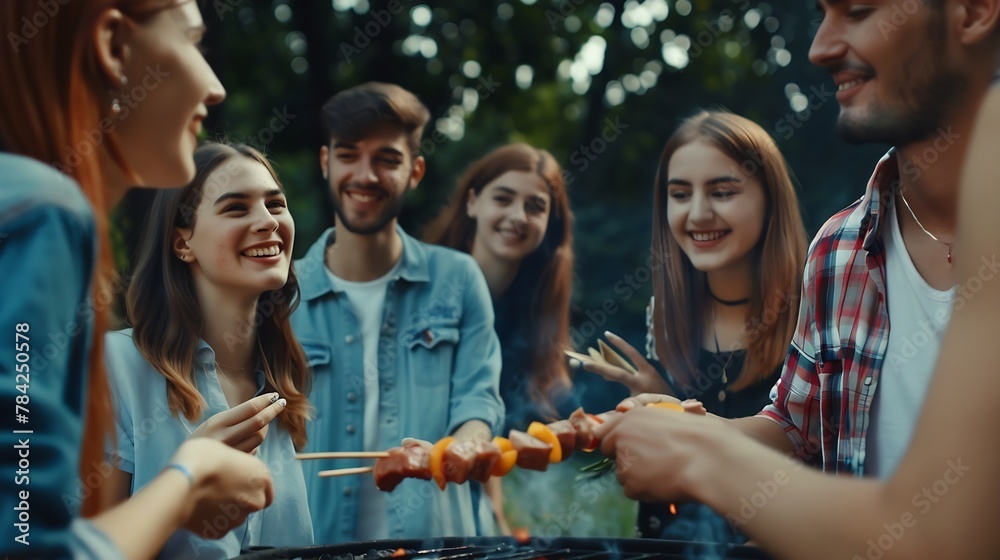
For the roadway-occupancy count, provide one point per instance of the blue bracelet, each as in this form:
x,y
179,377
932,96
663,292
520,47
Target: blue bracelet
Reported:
x,y
184,470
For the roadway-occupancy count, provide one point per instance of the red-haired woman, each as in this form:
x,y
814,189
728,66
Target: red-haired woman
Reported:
x,y
99,95
728,249
511,212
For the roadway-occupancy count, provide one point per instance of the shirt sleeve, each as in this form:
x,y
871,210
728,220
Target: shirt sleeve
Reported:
x,y
122,453
47,254
475,381
795,397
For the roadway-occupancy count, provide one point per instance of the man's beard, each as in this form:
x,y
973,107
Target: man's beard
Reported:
x,y
930,93
389,213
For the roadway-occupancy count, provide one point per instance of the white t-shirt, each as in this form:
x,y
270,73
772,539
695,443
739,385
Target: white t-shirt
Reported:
x,y
918,317
368,301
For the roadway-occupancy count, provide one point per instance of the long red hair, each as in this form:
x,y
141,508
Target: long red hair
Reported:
x,y
53,95
548,272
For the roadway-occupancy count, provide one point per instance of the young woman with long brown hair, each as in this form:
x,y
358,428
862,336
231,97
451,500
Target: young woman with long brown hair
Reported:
x,y
75,137
728,247
511,212
209,300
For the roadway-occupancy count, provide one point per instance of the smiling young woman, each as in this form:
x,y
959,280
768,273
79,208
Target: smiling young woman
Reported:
x,y
211,348
73,138
728,246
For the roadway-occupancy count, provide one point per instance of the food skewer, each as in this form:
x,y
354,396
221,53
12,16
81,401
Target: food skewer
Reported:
x,y
454,461
342,455
345,472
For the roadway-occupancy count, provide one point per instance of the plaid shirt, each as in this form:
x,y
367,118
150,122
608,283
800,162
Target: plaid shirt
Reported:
x,y
827,388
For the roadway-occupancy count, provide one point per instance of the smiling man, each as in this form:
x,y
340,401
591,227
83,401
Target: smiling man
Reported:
x,y
879,281
399,333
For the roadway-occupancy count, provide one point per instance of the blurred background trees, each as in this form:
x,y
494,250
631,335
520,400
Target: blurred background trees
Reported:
x,y
599,84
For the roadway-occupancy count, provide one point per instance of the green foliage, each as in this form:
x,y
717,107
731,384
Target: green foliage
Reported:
x,y
642,65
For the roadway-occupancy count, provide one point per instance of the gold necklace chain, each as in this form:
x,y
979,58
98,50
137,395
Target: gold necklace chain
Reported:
x,y
932,236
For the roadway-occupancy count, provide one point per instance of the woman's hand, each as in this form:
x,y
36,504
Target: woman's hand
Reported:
x,y
645,380
227,486
243,427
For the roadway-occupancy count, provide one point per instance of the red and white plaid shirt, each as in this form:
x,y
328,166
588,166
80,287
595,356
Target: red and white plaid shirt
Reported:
x,y
825,394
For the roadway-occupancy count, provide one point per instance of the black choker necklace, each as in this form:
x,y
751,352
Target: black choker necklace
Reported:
x,y
729,302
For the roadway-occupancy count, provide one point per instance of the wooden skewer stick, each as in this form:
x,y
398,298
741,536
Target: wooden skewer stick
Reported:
x,y
342,455
345,472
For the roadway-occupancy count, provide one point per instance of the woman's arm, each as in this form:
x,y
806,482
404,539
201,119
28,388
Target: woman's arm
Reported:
x,y
225,484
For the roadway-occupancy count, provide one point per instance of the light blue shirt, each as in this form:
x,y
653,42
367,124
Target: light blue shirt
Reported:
x,y
438,367
148,436
48,247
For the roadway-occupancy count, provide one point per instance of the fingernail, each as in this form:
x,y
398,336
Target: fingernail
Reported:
x,y
282,402
274,398
610,334
574,363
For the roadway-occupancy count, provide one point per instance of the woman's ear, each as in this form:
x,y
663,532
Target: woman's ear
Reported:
x,y
180,245
111,46
470,203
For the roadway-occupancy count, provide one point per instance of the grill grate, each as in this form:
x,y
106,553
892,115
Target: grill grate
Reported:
x,y
505,548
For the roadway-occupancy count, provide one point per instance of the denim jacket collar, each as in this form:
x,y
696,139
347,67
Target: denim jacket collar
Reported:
x,y
311,270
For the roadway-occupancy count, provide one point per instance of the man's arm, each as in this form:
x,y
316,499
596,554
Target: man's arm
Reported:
x,y
476,408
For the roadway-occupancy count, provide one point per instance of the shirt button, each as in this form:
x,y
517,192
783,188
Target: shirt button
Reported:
x,y
349,339
352,397
348,491
722,396
868,381
351,429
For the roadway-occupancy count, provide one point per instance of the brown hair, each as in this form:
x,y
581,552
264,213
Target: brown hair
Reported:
x,y
50,101
547,273
681,297
166,318
357,112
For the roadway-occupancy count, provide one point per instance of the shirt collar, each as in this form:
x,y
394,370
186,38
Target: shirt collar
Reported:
x,y
882,187
311,269
204,357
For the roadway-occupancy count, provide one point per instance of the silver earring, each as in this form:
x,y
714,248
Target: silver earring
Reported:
x,y
116,104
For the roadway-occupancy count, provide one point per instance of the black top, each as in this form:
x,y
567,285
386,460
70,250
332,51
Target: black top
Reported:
x,y
717,372
695,521
516,329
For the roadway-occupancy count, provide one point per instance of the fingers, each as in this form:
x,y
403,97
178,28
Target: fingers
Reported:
x,y
607,371
250,408
408,441
255,423
643,400
638,359
607,434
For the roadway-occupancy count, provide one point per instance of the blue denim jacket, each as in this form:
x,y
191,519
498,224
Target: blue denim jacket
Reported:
x,y
438,367
48,246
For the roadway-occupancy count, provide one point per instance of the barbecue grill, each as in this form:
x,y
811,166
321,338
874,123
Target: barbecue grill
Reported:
x,y
506,548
